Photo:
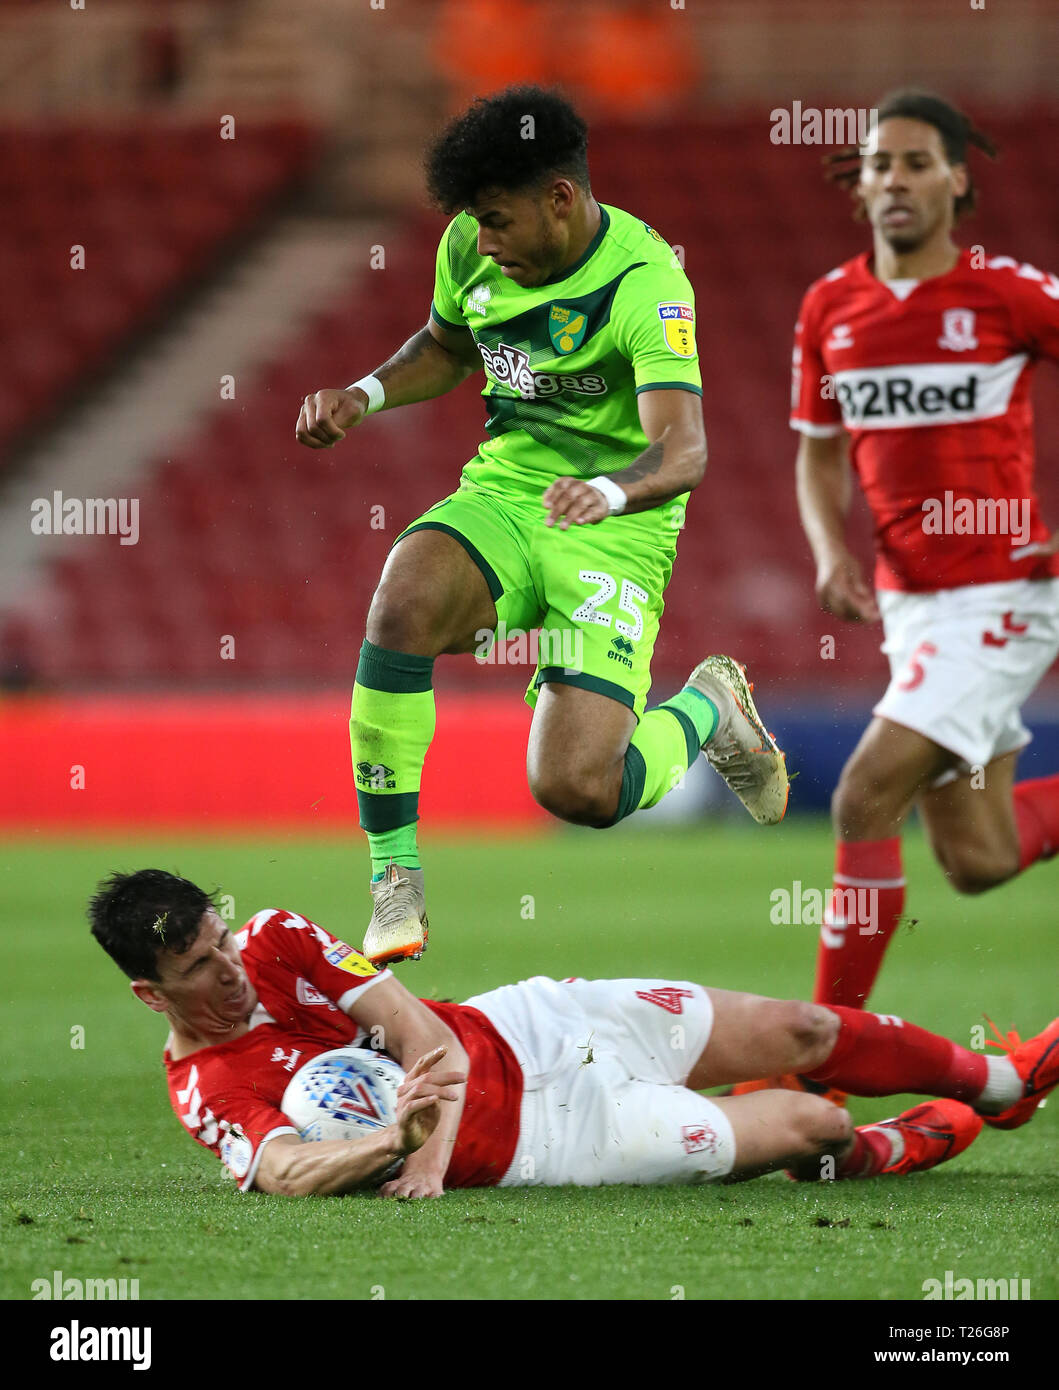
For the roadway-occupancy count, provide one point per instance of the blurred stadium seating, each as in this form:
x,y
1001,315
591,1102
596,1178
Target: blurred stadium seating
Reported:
x,y
256,537
112,143
153,208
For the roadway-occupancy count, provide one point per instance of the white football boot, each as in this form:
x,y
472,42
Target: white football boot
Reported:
x,y
741,749
398,927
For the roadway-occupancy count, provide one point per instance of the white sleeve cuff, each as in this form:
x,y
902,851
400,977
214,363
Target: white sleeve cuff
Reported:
x,y
247,1182
815,431
351,994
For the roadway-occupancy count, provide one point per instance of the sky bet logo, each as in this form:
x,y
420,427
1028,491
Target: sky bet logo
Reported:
x,y
510,366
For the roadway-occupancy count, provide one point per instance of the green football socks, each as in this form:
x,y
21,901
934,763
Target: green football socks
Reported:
x,y
391,725
667,741
400,845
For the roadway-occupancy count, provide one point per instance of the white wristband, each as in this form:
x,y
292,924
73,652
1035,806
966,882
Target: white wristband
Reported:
x,y
372,388
616,496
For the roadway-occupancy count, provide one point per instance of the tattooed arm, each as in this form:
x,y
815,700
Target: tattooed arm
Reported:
x,y
673,462
433,361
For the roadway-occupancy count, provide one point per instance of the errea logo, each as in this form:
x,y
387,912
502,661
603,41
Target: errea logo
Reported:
x,y
478,300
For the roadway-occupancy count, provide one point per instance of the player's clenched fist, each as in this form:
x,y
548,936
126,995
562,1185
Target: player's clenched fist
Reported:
x,y
572,502
327,415
841,590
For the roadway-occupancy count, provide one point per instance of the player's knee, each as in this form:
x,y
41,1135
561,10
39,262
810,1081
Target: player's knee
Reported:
x,y
820,1125
399,627
804,1126
819,1133
409,615
973,869
575,798
813,1030
848,800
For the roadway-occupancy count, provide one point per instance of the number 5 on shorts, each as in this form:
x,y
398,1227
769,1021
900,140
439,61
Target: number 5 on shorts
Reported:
x,y
916,673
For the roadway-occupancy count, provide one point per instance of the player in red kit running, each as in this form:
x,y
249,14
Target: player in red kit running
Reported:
x,y
585,1082
917,357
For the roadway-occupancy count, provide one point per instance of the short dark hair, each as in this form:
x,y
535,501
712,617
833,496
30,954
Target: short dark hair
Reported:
x,y
956,129
513,140
134,916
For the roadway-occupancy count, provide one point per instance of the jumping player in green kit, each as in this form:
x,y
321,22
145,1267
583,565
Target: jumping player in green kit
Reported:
x,y
584,322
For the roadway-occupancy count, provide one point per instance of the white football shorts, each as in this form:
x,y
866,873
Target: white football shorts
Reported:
x,y
604,1064
964,661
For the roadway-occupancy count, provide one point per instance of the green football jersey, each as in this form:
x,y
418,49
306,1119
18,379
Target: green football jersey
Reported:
x,y
565,361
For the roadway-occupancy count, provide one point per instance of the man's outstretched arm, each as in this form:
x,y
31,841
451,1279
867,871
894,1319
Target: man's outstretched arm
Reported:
x,y
433,361
403,1027
291,1167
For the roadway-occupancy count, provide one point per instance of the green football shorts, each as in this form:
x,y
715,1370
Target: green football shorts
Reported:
x,y
594,592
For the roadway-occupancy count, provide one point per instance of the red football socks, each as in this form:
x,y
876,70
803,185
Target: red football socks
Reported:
x,y
866,903
871,1152
881,1055
1037,817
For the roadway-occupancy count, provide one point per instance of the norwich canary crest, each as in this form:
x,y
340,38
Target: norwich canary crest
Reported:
x,y
566,328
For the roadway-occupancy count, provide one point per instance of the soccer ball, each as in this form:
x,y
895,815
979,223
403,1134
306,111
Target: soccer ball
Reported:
x,y
343,1094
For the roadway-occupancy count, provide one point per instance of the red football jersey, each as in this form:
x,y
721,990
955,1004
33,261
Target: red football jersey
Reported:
x,y
933,388
229,1095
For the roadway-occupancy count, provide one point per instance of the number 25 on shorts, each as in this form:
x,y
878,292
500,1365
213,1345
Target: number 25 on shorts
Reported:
x,y
629,602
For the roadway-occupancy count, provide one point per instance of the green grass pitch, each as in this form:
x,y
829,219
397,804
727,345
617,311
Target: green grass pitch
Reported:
x,y
99,1180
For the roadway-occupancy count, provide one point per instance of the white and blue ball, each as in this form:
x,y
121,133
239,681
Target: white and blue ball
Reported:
x,y
343,1094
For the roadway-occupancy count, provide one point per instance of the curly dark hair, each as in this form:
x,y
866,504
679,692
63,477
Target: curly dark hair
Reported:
x,y
957,132
134,916
513,140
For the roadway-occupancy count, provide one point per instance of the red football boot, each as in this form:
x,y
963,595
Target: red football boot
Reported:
x,y
933,1133
1037,1063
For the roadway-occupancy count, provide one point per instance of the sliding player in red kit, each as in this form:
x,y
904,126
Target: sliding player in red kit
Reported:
x,y
552,1082
917,356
